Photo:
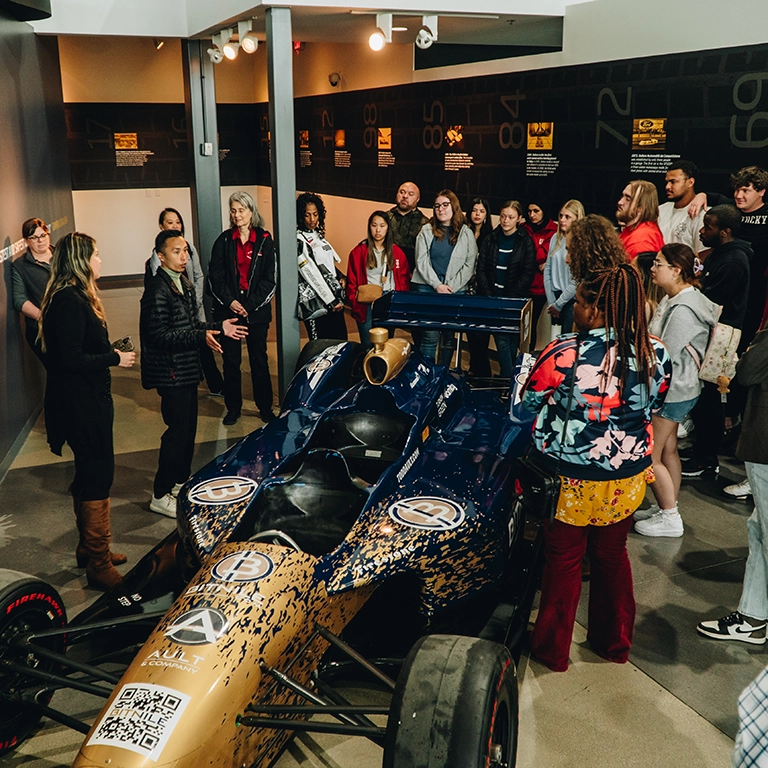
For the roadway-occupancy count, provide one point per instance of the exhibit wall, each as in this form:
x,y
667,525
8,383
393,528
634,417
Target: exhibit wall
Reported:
x,y
34,168
580,131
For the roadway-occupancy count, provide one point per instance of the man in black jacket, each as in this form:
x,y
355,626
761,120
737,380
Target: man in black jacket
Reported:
x,y
171,337
726,282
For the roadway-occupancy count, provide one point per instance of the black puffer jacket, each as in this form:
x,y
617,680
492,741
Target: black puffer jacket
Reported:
x,y
224,277
171,334
521,266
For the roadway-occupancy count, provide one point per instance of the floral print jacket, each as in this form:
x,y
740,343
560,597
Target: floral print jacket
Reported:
x,y
609,433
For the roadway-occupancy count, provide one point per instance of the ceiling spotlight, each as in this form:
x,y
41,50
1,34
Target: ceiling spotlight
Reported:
x,y
428,32
215,55
248,41
158,43
383,33
230,49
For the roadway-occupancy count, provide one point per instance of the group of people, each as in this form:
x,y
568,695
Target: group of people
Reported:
x,y
608,397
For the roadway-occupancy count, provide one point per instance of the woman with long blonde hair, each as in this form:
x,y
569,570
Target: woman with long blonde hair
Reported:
x,y
78,399
559,285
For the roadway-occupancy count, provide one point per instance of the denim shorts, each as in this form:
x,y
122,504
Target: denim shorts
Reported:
x,y
677,411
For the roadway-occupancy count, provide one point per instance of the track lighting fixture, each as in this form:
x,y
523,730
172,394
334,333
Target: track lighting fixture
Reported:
x,y
248,41
428,32
383,33
158,43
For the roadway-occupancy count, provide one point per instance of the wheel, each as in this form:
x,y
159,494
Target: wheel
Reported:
x,y
455,706
26,605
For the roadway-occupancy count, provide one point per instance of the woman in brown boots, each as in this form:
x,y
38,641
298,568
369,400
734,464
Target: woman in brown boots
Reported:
x,y
78,400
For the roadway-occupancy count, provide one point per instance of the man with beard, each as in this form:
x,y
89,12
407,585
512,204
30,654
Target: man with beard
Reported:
x,y
407,220
637,212
726,282
675,222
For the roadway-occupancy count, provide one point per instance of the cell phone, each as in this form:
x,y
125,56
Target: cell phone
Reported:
x,y
123,345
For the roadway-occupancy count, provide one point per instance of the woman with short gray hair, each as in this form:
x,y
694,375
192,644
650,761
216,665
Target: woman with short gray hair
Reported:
x,y
242,277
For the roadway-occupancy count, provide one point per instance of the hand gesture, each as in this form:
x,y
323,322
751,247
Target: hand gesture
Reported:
x,y
127,359
238,308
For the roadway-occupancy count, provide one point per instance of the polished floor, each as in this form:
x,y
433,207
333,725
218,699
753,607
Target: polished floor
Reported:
x,y
673,706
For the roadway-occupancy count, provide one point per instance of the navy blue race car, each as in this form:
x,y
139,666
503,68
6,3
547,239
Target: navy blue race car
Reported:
x,y
375,525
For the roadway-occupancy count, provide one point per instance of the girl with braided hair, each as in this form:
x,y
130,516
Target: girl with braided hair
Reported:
x,y
619,375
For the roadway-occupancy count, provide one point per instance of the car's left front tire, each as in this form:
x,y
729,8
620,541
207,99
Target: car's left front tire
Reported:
x,y
27,605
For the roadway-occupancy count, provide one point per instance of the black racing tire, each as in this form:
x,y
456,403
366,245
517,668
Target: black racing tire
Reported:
x,y
27,604
455,706
314,348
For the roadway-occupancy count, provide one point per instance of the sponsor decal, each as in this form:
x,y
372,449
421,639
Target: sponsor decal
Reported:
x,y
243,566
406,468
223,490
172,659
422,369
127,602
227,590
442,401
428,513
141,719
385,559
414,381
318,367
200,626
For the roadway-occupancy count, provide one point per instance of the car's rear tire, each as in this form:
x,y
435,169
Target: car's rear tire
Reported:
x,y
27,605
455,706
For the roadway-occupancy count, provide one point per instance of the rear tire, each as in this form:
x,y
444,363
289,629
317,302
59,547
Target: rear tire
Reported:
x,y
313,349
455,706
27,605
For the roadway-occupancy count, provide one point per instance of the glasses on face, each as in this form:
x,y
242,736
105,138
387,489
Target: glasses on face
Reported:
x,y
657,263
441,206
44,236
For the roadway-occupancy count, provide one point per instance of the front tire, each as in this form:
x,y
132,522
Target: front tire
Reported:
x,y
27,605
455,706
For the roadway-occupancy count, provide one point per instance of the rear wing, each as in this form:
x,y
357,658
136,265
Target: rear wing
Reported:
x,y
446,312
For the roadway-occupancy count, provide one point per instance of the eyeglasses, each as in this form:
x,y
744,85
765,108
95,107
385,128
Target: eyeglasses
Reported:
x,y
440,206
657,264
44,236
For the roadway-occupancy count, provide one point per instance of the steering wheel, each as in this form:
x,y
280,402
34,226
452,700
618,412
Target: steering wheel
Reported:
x,y
276,537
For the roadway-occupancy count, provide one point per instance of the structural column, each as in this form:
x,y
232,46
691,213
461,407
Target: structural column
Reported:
x,y
283,177
200,108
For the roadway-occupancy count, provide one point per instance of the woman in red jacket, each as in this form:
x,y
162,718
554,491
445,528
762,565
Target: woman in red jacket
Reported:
x,y
375,261
541,229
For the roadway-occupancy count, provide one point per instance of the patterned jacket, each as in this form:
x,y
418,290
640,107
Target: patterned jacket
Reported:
x,y
609,434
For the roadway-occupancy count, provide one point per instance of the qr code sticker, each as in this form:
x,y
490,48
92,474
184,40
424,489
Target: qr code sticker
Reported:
x,y
141,718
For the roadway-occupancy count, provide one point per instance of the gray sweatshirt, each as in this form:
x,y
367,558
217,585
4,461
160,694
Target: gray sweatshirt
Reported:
x,y
679,321
460,268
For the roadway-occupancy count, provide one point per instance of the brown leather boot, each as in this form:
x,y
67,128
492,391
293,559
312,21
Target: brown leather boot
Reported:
x,y
81,553
100,572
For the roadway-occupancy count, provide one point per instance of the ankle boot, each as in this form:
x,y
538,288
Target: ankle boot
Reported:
x,y
81,553
100,572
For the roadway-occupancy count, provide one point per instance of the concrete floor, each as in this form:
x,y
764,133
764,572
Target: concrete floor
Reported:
x,y
674,705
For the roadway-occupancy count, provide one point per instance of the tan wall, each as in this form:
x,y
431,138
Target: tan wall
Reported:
x,y
131,70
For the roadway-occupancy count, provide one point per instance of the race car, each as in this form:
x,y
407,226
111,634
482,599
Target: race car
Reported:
x,y
374,525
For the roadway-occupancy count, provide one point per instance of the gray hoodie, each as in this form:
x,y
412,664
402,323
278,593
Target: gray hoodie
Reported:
x,y
679,321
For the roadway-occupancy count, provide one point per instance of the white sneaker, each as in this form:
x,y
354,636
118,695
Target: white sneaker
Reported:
x,y
165,506
739,490
175,490
645,514
685,427
663,523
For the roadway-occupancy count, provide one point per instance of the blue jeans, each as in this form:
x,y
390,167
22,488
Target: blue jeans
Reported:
x,y
426,341
754,592
504,350
363,329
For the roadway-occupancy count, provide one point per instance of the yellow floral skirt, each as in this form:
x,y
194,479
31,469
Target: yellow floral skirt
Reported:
x,y
589,502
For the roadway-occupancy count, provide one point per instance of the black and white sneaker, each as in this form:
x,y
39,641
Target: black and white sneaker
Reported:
x,y
692,468
735,626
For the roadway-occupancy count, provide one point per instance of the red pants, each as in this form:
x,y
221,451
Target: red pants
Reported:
x,y
611,597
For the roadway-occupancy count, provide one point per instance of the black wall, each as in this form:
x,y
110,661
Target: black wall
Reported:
x,y
715,104
35,181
